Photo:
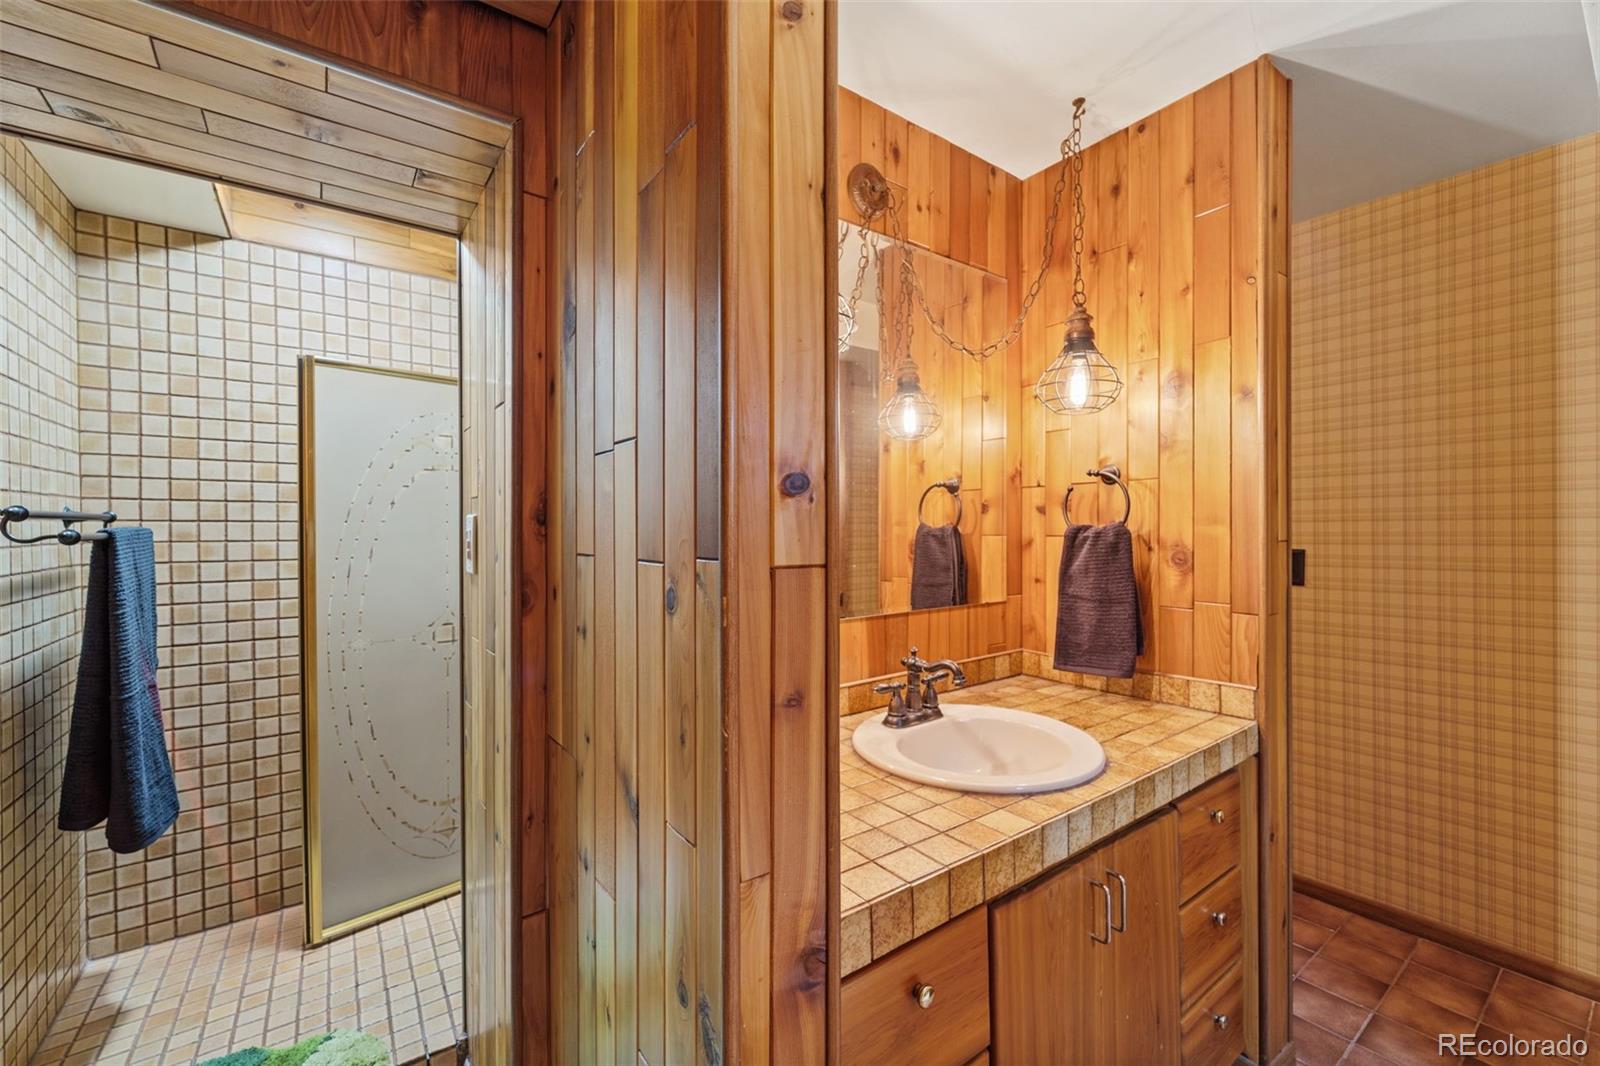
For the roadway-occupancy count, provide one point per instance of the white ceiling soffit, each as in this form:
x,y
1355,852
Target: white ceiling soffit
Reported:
x,y
110,186
1388,94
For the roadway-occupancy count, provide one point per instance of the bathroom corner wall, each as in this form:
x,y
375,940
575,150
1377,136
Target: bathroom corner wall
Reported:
x,y
1175,234
41,868
1446,447
189,390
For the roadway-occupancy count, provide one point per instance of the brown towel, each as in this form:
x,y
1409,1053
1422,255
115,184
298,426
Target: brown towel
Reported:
x,y
1098,629
938,567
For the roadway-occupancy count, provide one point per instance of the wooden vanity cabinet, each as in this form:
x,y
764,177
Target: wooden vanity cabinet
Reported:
x,y
1212,909
1084,962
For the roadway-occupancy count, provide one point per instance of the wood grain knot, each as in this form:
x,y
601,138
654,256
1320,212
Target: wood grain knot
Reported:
x,y
672,599
814,964
792,700
795,483
1181,559
792,10
710,1039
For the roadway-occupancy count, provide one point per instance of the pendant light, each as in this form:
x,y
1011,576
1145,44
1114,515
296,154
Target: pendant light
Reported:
x,y
1080,380
910,414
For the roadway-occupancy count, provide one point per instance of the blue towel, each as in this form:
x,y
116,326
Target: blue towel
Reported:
x,y
117,768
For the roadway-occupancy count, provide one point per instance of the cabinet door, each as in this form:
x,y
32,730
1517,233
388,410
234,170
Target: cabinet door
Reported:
x,y
1051,969
1142,869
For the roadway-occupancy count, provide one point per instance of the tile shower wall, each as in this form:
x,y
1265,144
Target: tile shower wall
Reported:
x,y
1446,456
41,868
189,367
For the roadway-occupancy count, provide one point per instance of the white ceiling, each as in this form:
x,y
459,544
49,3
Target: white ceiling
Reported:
x,y
1388,94
110,186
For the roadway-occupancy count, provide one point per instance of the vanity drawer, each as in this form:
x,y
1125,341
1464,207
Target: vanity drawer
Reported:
x,y
881,1019
1212,928
1208,834
1213,1026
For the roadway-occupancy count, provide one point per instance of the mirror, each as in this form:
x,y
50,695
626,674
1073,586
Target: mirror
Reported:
x,y
893,486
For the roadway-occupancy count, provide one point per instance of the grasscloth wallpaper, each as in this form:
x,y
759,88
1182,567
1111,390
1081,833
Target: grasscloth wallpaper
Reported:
x,y
1446,449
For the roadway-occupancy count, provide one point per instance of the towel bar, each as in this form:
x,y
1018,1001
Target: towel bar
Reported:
x,y
67,535
953,487
1111,475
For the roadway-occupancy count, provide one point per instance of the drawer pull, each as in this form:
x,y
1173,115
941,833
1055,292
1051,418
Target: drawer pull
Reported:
x,y
1220,1021
1218,816
923,995
1220,918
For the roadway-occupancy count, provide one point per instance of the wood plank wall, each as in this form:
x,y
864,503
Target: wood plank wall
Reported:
x,y
783,777
960,211
636,738
476,54
307,226
1171,268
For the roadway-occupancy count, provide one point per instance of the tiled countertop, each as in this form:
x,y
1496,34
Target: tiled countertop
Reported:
x,y
914,856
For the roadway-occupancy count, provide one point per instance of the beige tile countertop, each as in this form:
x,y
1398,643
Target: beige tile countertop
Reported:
x,y
914,856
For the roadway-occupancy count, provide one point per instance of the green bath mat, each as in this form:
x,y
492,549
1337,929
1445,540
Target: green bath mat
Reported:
x,y
342,1047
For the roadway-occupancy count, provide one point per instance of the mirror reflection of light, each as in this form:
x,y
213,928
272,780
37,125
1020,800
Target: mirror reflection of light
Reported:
x,y
1078,384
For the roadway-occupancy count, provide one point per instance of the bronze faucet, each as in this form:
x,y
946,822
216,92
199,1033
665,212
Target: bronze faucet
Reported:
x,y
915,700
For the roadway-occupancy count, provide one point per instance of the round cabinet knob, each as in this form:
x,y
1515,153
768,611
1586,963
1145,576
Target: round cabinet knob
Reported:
x,y
1220,918
1220,1020
1218,816
924,996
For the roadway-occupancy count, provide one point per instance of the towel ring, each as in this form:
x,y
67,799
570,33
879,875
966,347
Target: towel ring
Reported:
x,y
1111,475
953,487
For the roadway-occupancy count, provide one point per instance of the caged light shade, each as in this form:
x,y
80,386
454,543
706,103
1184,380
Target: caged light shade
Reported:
x,y
1080,380
910,413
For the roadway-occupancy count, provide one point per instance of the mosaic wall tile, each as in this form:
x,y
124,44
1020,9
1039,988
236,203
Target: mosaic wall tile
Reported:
x,y
41,600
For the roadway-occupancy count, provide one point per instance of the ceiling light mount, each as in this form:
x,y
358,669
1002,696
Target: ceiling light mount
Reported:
x,y
868,190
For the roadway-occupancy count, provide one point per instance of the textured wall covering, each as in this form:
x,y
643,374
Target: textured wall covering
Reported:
x,y
1446,456
41,868
189,349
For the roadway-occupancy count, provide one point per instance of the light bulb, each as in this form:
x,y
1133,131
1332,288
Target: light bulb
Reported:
x,y
910,420
1078,384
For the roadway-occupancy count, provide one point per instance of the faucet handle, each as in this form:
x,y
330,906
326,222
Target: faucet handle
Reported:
x,y
889,686
913,661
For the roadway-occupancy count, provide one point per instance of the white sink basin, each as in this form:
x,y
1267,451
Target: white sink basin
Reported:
x,y
979,748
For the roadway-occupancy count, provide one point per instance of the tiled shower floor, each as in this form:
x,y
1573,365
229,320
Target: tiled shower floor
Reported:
x,y
254,983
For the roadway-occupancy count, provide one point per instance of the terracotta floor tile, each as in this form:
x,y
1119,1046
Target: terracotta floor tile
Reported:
x,y
1298,957
1401,1044
1384,937
1315,1046
1309,934
1468,969
1344,982
1328,1011
1511,1016
1445,991
1361,956
1315,910
1423,1015
1556,1002
1360,1056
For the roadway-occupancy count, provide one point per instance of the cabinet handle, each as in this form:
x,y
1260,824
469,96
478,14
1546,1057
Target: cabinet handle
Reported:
x,y
924,996
1220,1021
1218,817
1220,918
1092,934
1121,924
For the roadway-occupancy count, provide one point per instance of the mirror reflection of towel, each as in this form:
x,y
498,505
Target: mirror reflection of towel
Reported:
x,y
938,567
1098,628
117,770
